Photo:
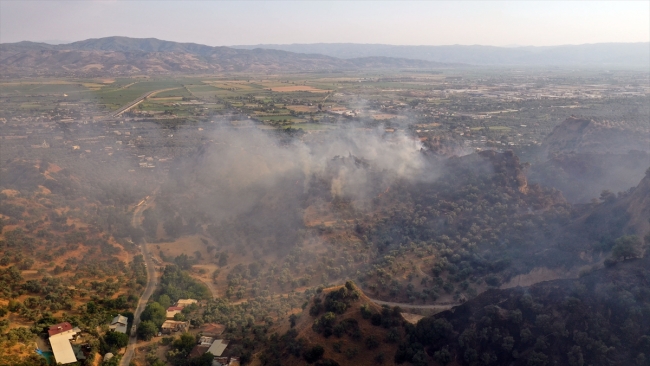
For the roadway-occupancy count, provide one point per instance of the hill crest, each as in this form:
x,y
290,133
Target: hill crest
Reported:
x,y
580,134
345,324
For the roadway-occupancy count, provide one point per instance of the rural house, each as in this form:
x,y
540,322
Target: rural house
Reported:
x,y
212,330
172,311
173,326
119,324
60,336
181,303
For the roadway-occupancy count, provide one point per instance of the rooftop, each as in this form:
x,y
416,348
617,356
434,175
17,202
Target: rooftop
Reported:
x,y
218,347
60,342
213,329
206,341
184,302
59,328
171,313
198,351
119,324
120,319
62,350
172,324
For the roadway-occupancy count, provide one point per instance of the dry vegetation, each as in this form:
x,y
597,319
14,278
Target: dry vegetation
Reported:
x,y
61,252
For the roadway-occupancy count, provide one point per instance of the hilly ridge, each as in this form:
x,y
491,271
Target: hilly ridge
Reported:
x,y
128,56
582,135
599,54
583,156
344,323
602,318
124,56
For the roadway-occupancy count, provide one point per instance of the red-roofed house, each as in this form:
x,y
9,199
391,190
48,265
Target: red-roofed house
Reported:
x,y
60,336
59,328
198,350
173,310
212,329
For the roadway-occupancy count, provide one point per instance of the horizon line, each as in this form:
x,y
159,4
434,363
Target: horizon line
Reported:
x,y
325,43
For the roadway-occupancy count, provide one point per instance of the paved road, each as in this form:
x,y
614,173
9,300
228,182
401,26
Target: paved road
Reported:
x,y
149,289
138,101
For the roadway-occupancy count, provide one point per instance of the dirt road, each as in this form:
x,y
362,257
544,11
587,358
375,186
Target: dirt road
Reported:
x,y
440,307
152,279
211,287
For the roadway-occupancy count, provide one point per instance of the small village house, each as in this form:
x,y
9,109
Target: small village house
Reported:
x,y
119,324
212,330
172,311
59,337
170,326
181,303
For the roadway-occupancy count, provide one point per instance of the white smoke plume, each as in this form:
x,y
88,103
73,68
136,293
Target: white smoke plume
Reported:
x,y
246,166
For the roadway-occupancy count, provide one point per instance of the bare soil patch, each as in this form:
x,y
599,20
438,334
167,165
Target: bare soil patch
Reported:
x,y
185,245
539,274
302,108
386,116
11,193
412,318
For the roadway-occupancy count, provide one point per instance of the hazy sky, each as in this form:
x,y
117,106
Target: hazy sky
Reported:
x,y
499,23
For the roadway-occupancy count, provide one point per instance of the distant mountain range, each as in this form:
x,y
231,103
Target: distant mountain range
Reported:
x,y
599,54
128,56
123,56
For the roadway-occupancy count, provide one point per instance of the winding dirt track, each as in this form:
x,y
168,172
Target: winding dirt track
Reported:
x,y
210,285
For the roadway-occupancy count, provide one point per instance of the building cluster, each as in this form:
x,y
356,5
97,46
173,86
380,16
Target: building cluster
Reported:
x,y
171,323
67,344
211,342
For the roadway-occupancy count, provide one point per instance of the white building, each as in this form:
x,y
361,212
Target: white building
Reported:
x,y
60,336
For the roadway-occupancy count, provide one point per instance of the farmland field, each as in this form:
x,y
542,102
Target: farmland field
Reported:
x,y
298,88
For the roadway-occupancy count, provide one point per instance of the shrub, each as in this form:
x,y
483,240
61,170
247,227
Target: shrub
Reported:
x,y
375,319
442,356
372,342
626,247
313,354
366,313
